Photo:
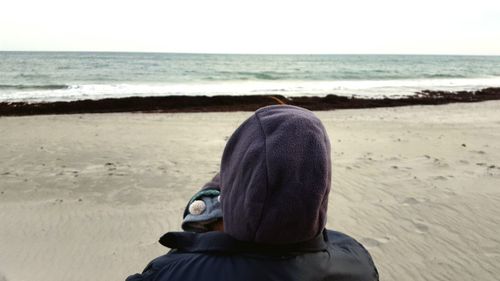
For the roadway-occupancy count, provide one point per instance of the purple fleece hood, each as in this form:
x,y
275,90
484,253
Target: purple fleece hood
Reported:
x,y
275,177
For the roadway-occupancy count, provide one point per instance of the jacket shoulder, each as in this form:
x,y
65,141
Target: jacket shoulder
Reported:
x,y
351,255
154,267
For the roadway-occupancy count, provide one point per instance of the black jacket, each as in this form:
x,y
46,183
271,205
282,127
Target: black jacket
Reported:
x,y
217,256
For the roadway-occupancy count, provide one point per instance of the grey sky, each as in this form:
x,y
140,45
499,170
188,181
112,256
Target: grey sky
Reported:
x,y
257,26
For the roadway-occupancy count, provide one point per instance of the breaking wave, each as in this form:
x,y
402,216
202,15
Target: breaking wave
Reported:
x,y
34,87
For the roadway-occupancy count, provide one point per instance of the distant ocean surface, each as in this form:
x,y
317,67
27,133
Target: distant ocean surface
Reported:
x,y
65,76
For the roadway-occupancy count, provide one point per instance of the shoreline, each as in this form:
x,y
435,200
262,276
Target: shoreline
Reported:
x,y
176,104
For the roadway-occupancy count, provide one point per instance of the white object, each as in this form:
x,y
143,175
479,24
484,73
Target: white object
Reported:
x,y
197,207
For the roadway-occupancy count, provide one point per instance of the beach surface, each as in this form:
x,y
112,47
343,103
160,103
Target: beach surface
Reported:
x,y
87,196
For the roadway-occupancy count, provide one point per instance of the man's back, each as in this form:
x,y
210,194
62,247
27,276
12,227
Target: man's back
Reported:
x,y
275,180
217,256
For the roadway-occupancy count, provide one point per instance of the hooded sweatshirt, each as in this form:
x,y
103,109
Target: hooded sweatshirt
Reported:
x,y
275,177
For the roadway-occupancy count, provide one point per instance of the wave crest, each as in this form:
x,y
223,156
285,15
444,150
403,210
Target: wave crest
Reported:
x,y
34,87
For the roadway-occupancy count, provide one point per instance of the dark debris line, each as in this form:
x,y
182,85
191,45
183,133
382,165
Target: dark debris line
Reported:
x,y
238,103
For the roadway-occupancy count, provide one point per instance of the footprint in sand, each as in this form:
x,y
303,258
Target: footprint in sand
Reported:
x,y
440,163
410,201
420,227
441,178
374,242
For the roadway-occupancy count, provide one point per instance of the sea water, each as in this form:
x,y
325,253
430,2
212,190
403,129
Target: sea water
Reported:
x,y
63,76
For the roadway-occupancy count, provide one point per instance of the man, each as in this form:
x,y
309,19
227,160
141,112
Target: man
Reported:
x,y
274,179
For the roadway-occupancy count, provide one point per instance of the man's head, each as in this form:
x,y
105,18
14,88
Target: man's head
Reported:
x,y
275,177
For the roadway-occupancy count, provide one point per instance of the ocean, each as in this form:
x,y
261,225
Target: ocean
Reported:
x,y
66,76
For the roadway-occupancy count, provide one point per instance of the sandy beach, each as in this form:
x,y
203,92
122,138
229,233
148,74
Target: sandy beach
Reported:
x,y
86,197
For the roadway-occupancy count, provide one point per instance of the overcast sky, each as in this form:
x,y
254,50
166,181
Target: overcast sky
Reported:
x,y
253,26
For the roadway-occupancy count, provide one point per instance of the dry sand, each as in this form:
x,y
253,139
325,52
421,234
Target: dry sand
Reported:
x,y
86,197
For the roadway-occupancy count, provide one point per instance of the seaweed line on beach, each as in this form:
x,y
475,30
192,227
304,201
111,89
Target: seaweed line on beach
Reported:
x,y
239,103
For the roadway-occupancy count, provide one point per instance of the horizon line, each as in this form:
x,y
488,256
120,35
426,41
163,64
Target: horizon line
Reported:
x,y
254,54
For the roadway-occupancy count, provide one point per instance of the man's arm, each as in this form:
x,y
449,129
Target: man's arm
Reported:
x,y
151,269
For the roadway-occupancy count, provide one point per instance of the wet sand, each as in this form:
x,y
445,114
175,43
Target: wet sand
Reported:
x,y
86,196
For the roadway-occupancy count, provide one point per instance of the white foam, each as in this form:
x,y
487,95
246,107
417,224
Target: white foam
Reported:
x,y
364,88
